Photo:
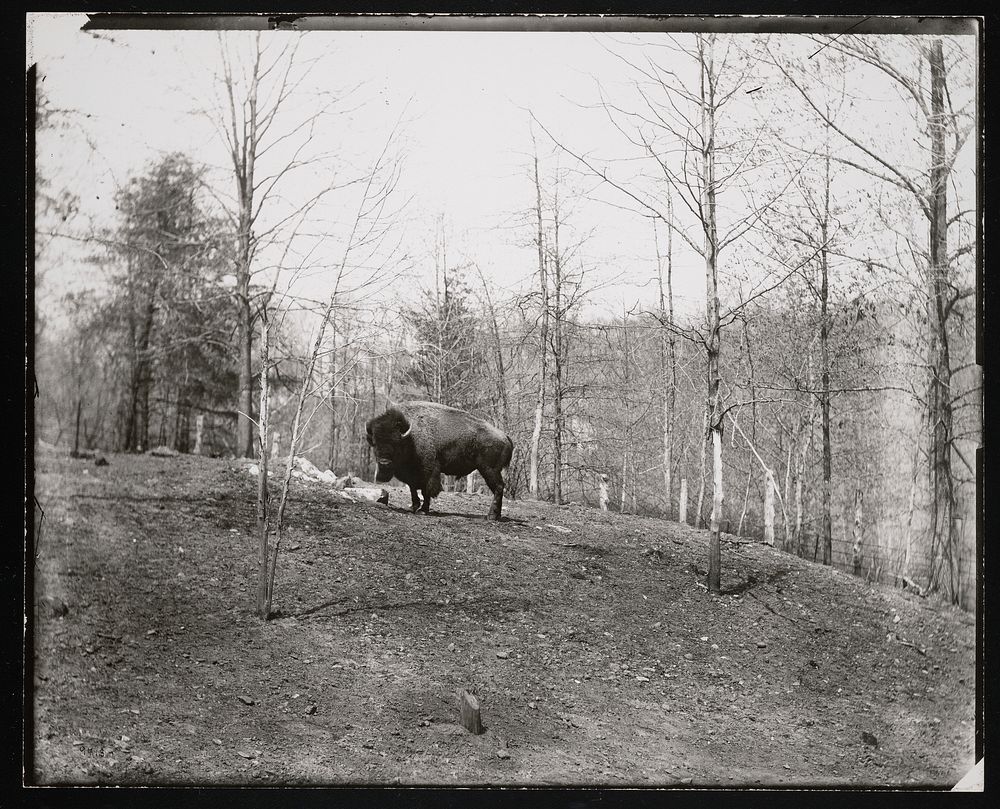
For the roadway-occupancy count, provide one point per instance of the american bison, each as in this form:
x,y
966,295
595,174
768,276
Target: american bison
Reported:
x,y
417,442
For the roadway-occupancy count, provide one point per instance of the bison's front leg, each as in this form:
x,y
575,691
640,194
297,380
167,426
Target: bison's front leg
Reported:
x,y
414,498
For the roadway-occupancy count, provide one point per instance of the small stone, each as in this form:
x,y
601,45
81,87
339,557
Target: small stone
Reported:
x,y
451,647
503,753
311,710
246,700
503,655
761,644
869,739
689,656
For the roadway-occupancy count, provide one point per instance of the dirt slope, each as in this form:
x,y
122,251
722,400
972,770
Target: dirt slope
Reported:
x,y
596,653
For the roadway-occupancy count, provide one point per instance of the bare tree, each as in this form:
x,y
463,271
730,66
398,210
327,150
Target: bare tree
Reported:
x,y
946,129
269,141
543,350
372,222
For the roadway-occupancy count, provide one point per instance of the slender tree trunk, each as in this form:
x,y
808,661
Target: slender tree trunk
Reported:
x,y
263,506
244,142
144,372
76,435
621,505
557,333
334,411
627,394
824,341
542,345
908,536
789,539
682,514
714,343
668,359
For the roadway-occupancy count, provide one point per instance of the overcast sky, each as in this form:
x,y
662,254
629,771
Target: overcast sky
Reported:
x,y
466,130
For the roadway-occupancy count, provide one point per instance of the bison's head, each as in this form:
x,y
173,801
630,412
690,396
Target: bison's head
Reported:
x,y
387,434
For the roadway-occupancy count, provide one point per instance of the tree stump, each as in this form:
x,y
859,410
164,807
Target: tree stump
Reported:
x,y
469,712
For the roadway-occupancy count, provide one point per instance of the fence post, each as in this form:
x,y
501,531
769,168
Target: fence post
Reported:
x,y
683,514
199,426
769,508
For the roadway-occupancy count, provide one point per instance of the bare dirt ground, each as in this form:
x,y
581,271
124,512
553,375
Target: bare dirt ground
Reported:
x,y
597,655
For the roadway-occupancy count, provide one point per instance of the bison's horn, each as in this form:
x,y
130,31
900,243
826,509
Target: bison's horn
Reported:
x,y
408,430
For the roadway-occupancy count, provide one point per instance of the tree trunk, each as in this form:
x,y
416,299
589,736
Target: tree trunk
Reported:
x,y
682,515
824,335
557,360
263,607
944,539
602,498
543,341
668,358
334,414
244,423
714,342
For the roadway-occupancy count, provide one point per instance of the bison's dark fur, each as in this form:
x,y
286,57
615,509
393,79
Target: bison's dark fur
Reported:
x,y
417,442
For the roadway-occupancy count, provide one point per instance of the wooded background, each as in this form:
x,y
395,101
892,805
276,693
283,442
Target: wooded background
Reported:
x,y
833,354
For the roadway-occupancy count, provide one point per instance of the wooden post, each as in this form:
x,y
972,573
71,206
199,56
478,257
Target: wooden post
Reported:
x,y
276,446
471,483
199,427
469,712
76,439
856,557
603,495
683,515
769,508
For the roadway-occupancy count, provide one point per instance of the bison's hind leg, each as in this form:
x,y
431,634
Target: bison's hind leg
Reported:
x,y
432,488
494,480
414,499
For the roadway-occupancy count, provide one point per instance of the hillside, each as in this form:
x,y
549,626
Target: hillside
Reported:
x,y
597,655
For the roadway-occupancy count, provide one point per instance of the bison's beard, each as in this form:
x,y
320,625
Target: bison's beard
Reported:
x,y
383,474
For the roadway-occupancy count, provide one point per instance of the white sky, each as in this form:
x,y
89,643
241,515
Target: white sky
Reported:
x,y
467,135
